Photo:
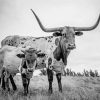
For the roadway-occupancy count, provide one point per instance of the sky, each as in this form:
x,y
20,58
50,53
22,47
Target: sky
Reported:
x,y
17,19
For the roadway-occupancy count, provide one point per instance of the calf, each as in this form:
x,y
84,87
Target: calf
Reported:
x,y
29,59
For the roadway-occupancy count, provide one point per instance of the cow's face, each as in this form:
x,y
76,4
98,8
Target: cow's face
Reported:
x,y
67,39
30,57
65,43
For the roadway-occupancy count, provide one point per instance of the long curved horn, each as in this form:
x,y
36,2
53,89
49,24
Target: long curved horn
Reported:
x,y
43,28
88,28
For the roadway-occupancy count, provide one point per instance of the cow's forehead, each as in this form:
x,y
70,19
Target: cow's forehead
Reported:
x,y
30,56
68,30
30,52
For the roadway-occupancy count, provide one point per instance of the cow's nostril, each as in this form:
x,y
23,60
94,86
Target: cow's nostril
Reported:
x,y
30,70
71,46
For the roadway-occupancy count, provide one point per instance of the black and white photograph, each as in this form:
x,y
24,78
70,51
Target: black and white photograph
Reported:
x,y
49,49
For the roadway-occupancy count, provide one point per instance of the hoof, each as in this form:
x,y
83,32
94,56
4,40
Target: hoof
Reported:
x,y
50,91
15,89
60,90
8,89
25,93
3,88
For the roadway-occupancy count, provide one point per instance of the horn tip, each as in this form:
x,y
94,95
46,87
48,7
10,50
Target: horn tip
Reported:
x,y
31,9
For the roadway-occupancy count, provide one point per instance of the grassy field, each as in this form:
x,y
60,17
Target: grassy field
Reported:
x,y
74,88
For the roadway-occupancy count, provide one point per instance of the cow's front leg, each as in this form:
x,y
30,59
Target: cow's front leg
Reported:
x,y
13,83
3,82
58,75
50,79
28,82
7,84
3,78
25,84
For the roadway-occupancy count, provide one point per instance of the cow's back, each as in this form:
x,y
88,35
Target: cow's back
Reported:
x,y
47,45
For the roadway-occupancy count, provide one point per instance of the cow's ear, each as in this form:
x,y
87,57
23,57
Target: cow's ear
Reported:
x,y
57,34
21,55
79,33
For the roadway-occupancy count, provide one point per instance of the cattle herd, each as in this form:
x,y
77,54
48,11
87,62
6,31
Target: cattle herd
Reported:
x,y
24,55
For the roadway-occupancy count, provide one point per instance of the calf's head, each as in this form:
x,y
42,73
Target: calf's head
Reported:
x,y
30,57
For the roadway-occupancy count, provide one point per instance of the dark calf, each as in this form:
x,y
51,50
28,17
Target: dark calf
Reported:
x,y
29,60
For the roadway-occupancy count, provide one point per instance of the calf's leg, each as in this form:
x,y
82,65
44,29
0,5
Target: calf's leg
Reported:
x,y
50,79
2,72
28,81
58,76
7,84
13,83
3,82
25,84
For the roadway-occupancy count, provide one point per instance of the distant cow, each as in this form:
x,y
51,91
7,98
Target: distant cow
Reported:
x,y
15,60
56,47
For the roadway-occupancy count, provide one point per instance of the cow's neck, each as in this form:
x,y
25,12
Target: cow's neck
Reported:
x,y
64,57
61,53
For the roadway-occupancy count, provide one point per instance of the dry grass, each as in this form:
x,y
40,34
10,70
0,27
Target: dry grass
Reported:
x,y
74,88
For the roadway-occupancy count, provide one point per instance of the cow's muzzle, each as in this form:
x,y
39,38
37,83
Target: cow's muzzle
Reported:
x,y
30,69
71,46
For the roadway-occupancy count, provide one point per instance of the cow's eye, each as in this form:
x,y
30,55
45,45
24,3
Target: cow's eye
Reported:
x,y
64,35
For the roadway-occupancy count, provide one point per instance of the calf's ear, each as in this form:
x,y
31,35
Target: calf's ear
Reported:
x,y
20,55
78,33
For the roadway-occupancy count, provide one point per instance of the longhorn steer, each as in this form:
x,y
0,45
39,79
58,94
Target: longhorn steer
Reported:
x,y
58,50
56,47
11,58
